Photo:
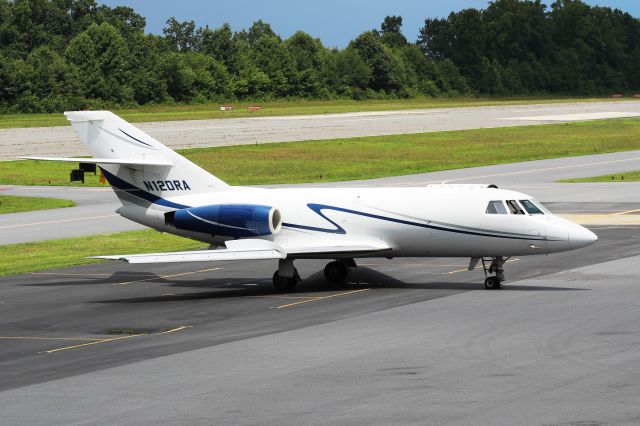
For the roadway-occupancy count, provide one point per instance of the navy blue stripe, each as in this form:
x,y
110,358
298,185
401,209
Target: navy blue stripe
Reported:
x,y
317,208
125,186
135,139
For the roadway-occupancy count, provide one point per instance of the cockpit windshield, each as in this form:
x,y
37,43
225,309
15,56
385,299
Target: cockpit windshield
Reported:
x,y
539,205
518,207
530,207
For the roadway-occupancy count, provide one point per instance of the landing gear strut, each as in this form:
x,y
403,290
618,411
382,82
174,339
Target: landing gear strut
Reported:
x,y
286,277
493,282
338,270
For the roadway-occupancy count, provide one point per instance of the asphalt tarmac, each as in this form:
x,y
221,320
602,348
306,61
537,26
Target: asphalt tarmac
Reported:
x,y
404,341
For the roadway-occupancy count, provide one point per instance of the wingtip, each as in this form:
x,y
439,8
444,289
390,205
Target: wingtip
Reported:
x,y
124,259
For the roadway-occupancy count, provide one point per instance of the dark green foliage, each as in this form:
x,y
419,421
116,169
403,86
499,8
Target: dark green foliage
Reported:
x,y
72,54
524,47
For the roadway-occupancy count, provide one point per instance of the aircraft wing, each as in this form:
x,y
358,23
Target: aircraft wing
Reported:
x,y
251,249
351,249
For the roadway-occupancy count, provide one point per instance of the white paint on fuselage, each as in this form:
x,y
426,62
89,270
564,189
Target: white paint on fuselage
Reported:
x,y
441,220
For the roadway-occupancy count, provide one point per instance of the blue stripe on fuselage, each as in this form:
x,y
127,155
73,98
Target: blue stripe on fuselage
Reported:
x,y
125,186
317,208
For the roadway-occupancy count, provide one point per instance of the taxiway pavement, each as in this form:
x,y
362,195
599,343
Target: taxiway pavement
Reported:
x,y
62,141
406,341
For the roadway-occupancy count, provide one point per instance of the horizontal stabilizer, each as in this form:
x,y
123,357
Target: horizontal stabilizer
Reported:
x,y
129,161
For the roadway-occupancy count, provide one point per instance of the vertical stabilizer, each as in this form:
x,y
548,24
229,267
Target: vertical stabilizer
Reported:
x,y
107,136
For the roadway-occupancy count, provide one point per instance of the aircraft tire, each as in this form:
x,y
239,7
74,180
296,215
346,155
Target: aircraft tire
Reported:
x,y
336,272
492,283
283,283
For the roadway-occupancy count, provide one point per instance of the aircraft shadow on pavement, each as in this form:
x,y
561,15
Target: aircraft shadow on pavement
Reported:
x,y
313,285
115,278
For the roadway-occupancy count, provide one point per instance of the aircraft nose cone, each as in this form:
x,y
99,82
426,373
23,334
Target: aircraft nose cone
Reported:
x,y
581,237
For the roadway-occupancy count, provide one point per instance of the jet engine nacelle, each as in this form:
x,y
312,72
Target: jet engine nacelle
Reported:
x,y
231,220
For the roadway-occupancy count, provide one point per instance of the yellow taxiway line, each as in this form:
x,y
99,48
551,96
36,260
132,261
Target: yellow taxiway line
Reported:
x,y
96,342
620,218
167,276
626,212
467,269
315,299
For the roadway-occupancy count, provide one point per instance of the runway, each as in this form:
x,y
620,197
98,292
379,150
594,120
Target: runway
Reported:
x,y
63,141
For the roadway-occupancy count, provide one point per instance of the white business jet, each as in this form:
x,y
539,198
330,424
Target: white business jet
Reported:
x,y
163,190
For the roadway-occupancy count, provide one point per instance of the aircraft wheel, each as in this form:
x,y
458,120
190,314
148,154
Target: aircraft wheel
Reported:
x,y
336,271
492,283
284,283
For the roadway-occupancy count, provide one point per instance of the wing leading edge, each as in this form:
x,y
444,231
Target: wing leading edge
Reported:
x,y
251,249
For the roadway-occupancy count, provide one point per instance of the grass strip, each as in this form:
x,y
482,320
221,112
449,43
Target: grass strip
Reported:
x,y
37,256
632,176
281,108
381,156
377,156
15,204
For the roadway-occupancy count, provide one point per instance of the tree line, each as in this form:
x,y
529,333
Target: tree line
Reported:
x,y
71,54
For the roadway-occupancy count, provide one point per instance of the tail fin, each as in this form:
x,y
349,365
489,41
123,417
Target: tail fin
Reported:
x,y
141,162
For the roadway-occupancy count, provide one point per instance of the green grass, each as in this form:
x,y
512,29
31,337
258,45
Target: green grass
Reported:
x,y
272,108
37,256
13,204
632,176
27,172
378,156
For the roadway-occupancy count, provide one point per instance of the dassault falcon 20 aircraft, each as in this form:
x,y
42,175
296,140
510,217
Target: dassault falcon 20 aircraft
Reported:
x,y
163,190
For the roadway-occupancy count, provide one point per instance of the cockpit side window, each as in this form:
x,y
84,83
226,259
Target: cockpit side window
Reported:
x,y
496,207
530,207
514,207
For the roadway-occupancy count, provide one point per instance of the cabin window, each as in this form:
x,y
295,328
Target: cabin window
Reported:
x,y
514,207
496,207
530,207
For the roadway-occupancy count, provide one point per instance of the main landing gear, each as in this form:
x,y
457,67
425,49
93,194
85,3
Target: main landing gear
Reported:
x,y
338,270
493,282
286,277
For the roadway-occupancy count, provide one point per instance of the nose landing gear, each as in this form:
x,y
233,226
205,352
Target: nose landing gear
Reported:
x,y
493,282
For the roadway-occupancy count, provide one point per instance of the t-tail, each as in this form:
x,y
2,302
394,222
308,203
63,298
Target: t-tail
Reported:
x,y
141,170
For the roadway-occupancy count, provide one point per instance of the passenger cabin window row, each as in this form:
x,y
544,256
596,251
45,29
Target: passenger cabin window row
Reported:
x,y
513,207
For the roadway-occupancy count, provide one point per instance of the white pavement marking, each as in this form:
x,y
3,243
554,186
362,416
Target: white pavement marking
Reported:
x,y
577,117
22,225
572,166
